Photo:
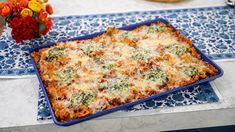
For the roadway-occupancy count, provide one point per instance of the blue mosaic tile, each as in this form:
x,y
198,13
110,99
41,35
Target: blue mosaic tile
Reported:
x,y
211,29
196,95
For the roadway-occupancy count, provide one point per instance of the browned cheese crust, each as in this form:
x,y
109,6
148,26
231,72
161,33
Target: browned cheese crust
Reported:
x,y
87,76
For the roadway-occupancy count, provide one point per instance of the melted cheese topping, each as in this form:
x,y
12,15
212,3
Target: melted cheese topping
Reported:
x,y
117,67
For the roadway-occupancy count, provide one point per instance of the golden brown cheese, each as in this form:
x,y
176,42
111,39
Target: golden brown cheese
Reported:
x,y
87,76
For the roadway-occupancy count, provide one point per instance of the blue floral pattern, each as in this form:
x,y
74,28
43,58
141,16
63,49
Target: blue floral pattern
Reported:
x,y
196,95
212,30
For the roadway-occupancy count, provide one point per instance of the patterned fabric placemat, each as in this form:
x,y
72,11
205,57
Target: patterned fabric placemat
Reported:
x,y
196,95
212,30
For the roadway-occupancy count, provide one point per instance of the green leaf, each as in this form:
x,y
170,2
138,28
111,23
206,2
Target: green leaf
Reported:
x,y
9,18
35,14
41,26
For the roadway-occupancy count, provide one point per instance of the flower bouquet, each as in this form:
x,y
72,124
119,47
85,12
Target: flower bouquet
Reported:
x,y
27,19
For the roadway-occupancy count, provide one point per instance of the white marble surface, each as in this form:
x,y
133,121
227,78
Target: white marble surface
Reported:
x,y
18,105
82,7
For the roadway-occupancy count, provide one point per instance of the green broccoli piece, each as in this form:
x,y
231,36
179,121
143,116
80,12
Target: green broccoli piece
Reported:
x,y
178,49
157,75
156,28
141,54
191,71
66,75
83,98
55,53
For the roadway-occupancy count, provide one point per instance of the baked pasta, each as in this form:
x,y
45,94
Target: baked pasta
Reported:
x,y
83,77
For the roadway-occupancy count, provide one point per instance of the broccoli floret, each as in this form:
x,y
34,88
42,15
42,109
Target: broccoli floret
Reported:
x,y
88,98
77,100
89,48
119,86
157,75
116,86
141,54
104,64
66,75
83,98
156,28
107,66
55,53
191,71
178,49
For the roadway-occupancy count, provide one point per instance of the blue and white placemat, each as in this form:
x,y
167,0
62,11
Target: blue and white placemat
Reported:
x,y
212,30
196,95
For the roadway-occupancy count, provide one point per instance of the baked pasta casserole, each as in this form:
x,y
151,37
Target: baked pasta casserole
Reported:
x,y
84,77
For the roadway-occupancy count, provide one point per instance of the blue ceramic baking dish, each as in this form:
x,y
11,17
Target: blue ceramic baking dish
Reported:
x,y
130,27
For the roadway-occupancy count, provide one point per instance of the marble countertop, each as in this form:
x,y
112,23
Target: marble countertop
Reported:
x,y
18,105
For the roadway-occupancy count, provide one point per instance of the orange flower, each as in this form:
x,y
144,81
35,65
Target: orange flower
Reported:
x,y
18,5
42,15
5,9
49,9
2,4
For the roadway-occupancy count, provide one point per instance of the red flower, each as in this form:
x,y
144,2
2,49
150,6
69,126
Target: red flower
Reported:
x,y
16,22
49,9
23,28
47,21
